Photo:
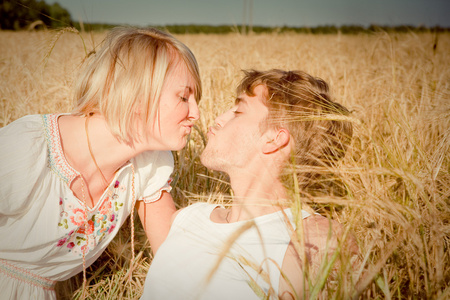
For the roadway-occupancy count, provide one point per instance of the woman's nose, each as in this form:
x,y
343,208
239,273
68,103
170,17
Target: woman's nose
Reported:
x,y
194,112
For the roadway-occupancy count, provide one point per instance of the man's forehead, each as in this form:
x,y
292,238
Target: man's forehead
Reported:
x,y
259,91
245,100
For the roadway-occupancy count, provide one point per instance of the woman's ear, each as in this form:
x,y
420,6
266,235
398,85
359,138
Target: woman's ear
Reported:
x,y
276,139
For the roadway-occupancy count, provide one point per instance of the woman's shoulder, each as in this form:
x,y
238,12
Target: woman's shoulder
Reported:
x,y
155,159
23,137
29,129
153,165
22,125
23,159
153,170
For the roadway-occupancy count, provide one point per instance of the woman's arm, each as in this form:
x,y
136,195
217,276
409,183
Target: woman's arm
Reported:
x,y
156,218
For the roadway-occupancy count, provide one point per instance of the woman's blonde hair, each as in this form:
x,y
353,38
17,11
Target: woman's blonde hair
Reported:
x,y
127,74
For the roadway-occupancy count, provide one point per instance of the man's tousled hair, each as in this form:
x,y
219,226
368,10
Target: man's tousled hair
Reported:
x,y
302,104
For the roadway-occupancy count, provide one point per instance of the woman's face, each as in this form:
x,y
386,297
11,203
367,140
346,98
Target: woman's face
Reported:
x,y
176,112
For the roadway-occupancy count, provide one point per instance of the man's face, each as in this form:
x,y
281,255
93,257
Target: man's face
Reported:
x,y
236,137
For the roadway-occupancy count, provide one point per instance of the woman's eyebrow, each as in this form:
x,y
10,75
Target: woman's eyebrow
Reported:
x,y
187,87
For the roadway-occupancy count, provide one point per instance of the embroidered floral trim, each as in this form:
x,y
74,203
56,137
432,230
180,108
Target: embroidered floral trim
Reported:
x,y
56,159
157,195
100,223
26,276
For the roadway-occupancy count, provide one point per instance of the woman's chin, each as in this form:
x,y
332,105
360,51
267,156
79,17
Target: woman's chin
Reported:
x,y
180,146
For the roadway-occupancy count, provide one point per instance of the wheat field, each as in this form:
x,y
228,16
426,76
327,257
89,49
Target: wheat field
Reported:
x,y
395,177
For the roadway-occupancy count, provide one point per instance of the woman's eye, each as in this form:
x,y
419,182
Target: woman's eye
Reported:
x,y
237,112
184,99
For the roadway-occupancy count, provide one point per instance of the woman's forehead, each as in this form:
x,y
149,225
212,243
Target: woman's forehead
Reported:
x,y
181,71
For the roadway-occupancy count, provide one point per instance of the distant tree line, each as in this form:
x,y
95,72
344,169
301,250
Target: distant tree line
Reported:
x,y
327,29
224,29
21,14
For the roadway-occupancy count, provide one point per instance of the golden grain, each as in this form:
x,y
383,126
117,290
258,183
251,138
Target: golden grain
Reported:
x,y
394,182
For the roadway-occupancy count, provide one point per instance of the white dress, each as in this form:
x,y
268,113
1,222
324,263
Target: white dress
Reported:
x,y
187,265
42,223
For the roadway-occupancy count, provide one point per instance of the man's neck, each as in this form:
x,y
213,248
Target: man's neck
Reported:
x,y
255,195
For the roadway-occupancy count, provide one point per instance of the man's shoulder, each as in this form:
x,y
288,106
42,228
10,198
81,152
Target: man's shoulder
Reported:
x,y
322,237
319,225
322,233
198,207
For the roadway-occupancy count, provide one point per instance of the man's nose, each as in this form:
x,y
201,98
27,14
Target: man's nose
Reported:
x,y
224,118
220,121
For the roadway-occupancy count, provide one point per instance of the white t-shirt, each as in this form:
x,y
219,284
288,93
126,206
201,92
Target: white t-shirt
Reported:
x,y
42,223
195,263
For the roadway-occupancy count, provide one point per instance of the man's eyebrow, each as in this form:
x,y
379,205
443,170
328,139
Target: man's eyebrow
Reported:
x,y
239,100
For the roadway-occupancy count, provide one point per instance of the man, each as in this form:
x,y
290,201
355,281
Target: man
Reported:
x,y
251,250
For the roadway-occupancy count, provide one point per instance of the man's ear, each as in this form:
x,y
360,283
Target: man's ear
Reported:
x,y
276,139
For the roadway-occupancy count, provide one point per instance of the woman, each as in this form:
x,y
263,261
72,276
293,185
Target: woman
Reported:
x,y
69,181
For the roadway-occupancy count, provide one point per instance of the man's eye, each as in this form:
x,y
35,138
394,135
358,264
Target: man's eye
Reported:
x,y
237,112
184,99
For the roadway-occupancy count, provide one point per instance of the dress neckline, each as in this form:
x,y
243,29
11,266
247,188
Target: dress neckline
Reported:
x,y
58,162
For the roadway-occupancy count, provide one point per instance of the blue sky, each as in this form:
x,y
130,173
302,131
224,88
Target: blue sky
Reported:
x,y
265,12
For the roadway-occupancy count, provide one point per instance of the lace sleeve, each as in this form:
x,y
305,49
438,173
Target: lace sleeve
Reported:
x,y
157,195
